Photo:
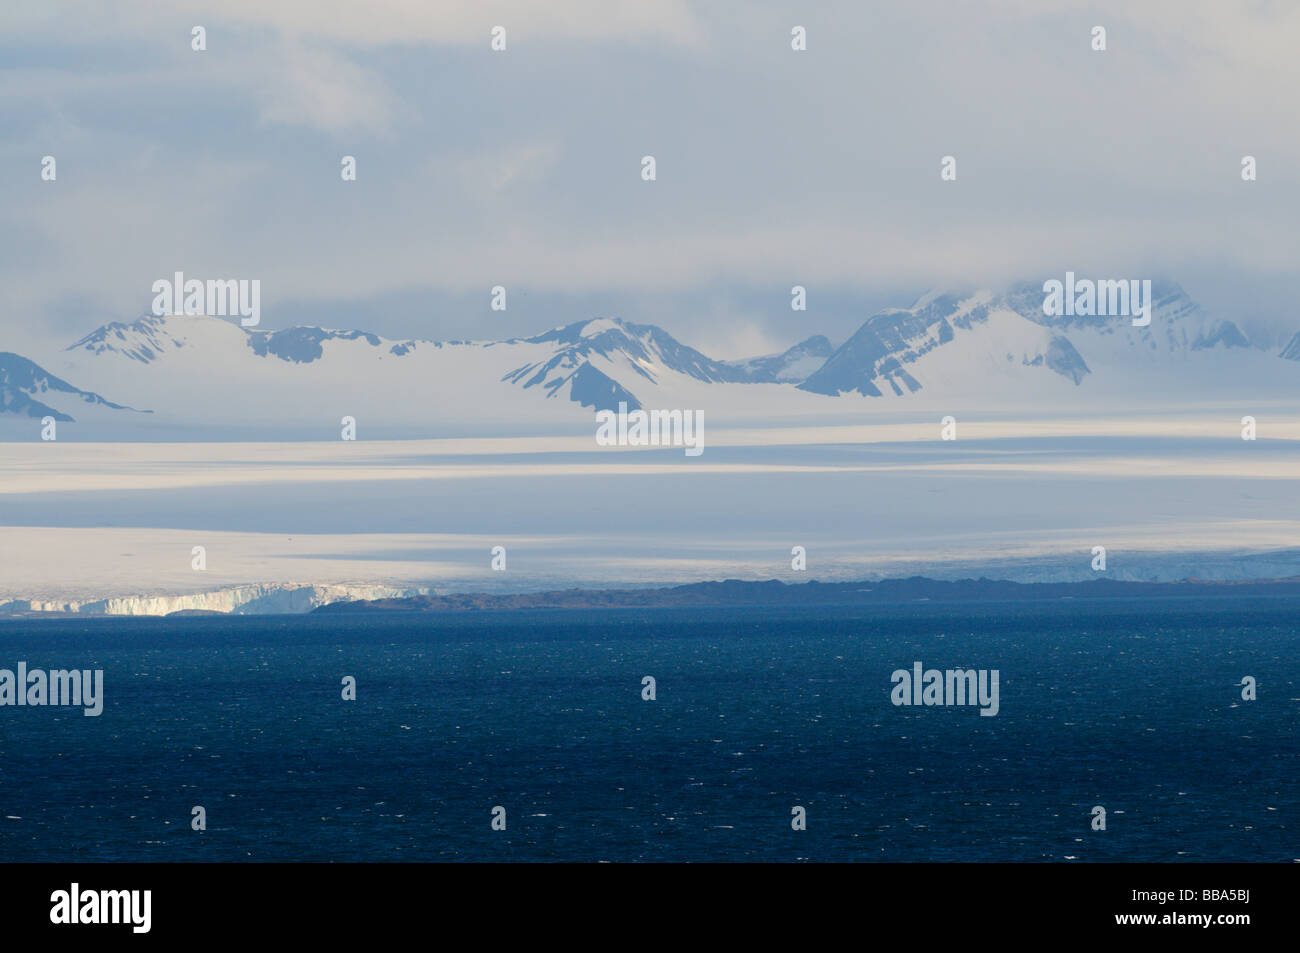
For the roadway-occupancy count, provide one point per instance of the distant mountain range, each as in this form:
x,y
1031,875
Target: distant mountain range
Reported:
x,y
773,592
196,369
300,598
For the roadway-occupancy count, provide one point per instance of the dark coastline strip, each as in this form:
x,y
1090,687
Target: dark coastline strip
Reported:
x,y
773,592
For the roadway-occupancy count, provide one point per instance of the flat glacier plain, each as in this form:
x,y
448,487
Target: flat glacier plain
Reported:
x,y
1169,496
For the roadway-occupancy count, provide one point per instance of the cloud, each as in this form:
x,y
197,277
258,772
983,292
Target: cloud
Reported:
x,y
322,88
372,23
775,168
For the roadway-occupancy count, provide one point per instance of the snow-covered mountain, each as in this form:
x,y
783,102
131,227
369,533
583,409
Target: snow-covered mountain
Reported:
x,y
892,351
196,365
948,342
791,365
590,356
28,390
195,370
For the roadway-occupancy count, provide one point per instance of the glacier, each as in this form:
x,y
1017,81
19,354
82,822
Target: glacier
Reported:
x,y
257,599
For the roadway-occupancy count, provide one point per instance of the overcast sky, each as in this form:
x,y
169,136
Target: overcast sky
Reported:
x,y
523,168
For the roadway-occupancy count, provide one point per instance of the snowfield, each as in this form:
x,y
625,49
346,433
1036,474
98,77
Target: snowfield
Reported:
x,y
1169,498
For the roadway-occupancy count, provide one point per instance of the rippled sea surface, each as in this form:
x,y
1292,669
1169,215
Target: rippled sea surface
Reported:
x,y
1133,706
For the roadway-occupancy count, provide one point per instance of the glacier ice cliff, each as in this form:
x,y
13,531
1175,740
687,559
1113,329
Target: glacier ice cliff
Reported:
x,y
258,599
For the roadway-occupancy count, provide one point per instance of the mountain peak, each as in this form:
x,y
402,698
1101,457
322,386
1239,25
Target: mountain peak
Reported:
x,y
792,365
22,379
600,326
591,353
592,328
148,338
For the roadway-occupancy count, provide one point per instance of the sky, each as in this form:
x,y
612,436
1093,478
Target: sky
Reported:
x,y
522,167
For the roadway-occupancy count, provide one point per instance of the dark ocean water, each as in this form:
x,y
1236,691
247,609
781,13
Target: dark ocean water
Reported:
x,y
1130,705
